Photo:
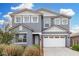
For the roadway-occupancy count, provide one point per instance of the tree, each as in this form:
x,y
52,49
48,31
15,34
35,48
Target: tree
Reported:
x,y
5,37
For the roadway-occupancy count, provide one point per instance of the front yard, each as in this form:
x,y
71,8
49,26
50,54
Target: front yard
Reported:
x,y
9,49
18,50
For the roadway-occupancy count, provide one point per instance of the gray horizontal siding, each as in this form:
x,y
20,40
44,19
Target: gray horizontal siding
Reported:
x,y
27,31
52,24
35,26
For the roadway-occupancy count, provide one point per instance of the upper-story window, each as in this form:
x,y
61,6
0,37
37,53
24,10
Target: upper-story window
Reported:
x,y
34,19
18,19
57,21
47,22
64,21
26,19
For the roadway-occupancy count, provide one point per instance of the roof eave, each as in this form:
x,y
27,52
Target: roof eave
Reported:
x,y
55,13
22,10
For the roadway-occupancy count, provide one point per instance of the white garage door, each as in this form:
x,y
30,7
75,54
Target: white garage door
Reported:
x,y
54,41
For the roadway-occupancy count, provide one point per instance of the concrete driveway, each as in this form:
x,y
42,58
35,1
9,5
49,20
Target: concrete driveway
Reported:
x,y
60,52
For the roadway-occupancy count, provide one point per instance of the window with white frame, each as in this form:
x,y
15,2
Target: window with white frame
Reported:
x,y
57,21
64,21
18,19
26,19
34,19
21,37
47,22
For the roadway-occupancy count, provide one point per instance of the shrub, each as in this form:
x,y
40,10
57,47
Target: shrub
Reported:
x,y
6,37
75,47
31,51
13,50
2,46
36,46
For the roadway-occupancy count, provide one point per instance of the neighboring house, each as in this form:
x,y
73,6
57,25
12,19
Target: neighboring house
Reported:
x,y
43,26
74,39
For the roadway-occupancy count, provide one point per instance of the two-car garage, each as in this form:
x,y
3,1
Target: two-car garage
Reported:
x,y
54,41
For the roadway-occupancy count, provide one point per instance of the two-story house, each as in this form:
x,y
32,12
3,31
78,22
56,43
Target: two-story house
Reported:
x,y
45,26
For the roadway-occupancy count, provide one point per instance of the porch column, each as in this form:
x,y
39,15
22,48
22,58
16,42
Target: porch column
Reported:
x,y
68,41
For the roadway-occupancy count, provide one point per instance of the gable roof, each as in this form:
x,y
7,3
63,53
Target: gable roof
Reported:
x,y
38,11
58,27
21,25
23,10
47,10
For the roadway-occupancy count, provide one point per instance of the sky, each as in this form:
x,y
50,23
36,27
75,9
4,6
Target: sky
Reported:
x,y
70,9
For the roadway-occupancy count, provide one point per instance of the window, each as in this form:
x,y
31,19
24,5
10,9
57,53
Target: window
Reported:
x,y
45,36
50,36
56,36
46,25
57,21
18,19
47,22
61,36
24,39
34,19
21,37
64,21
26,19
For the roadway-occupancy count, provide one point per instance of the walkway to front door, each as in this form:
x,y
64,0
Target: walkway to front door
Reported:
x,y
60,52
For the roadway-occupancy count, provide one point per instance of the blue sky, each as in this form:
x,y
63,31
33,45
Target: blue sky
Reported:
x,y
6,7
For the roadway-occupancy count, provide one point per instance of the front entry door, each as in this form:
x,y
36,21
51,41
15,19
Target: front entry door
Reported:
x,y
36,39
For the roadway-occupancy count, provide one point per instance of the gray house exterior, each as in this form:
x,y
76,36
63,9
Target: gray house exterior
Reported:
x,y
49,28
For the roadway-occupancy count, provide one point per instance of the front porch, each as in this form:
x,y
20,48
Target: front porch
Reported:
x,y
36,39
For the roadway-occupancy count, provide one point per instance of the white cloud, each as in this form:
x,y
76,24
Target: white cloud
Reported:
x,y
75,29
68,12
1,22
22,6
7,18
7,15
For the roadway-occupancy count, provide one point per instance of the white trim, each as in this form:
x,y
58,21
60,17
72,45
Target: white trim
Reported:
x,y
22,32
54,34
36,32
32,19
27,19
20,43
